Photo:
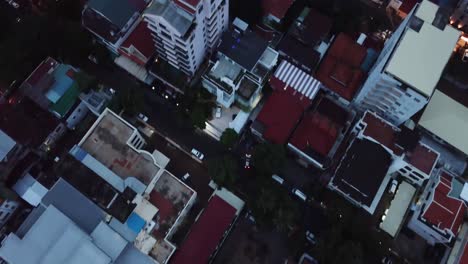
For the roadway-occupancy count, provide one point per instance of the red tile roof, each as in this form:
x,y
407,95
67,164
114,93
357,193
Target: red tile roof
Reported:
x,y
277,8
281,112
423,158
183,4
26,122
315,132
464,257
340,69
141,40
165,211
407,6
444,211
320,128
381,131
206,233
46,66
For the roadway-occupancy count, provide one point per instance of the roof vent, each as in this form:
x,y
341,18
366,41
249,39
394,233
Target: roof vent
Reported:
x,y
441,18
416,23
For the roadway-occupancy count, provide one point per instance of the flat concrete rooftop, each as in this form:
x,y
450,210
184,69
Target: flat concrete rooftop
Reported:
x,y
108,143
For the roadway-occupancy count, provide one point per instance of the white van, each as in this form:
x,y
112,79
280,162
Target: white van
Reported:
x,y
277,179
299,194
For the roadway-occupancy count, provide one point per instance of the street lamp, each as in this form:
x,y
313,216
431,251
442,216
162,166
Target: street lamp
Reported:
x,y
153,87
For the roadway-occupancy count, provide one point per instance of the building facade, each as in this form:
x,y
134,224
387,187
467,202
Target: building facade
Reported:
x,y
7,208
405,75
186,30
459,17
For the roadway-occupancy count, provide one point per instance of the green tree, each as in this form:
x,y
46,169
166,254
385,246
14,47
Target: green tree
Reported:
x,y
198,117
268,158
229,137
274,208
223,171
85,81
128,100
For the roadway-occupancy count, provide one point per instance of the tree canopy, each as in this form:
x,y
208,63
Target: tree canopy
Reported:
x,y
229,137
223,171
268,158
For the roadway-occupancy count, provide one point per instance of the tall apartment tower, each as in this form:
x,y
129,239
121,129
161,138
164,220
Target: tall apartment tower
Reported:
x,y
185,30
409,67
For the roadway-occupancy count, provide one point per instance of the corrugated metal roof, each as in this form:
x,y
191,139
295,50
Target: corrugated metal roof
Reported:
x,y
75,205
398,208
6,144
297,79
447,119
63,243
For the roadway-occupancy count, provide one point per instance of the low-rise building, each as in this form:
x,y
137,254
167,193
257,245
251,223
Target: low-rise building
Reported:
x,y
342,69
8,147
293,91
68,227
409,67
275,10
446,121
307,40
112,21
395,153
210,229
240,68
320,132
21,118
52,86
136,51
113,149
439,212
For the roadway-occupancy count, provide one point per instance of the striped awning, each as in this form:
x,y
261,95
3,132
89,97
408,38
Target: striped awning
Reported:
x,y
297,79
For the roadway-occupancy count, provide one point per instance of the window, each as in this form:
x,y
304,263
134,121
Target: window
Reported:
x,y
417,100
200,10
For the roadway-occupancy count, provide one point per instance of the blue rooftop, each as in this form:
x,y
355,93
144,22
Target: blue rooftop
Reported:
x,y
62,83
135,222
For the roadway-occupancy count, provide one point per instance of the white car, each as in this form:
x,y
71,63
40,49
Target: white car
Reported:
x,y
465,56
393,187
142,117
197,154
186,177
247,160
218,112
277,179
299,194
310,237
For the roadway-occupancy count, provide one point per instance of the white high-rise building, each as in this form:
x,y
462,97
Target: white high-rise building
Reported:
x,y
186,30
407,71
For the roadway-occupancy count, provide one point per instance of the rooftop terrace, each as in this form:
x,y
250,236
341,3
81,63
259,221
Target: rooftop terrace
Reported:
x,y
170,196
109,141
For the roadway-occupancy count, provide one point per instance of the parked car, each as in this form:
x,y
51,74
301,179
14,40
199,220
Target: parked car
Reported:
x,y
186,177
393,187
310,237
218,112
299,194
93,58
197,154
277,179
465,56
142,117
247,160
